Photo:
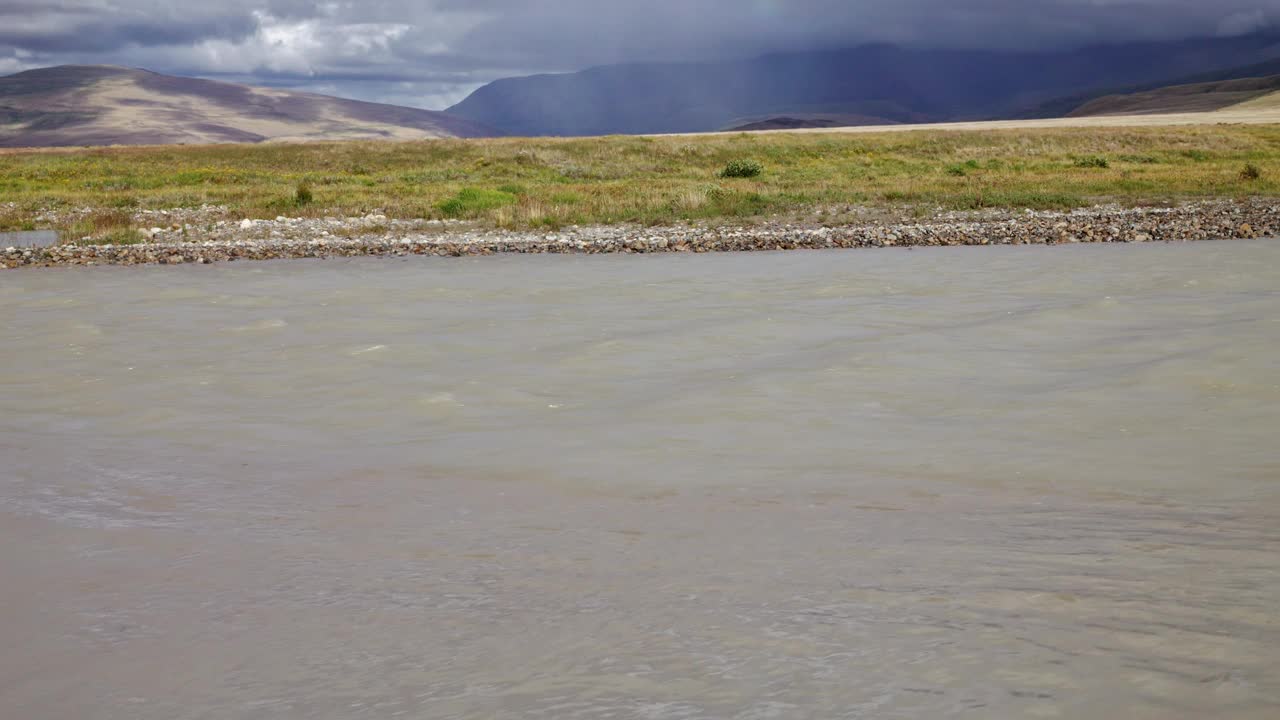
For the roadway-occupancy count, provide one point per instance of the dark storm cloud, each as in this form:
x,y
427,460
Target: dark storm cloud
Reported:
x,y
575,31
429,52
106,37
60,25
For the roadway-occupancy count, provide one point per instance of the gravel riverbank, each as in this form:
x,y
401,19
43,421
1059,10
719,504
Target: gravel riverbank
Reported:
x,y
194,236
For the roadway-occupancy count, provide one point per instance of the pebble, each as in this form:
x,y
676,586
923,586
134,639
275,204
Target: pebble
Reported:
x,y
209,239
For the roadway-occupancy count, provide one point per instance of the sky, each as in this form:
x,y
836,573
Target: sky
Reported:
x,y
432,53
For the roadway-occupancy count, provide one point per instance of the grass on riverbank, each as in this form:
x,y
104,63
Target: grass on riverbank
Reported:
x,y
556,182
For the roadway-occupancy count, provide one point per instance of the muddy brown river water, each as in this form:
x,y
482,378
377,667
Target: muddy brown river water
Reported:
x,y
938,483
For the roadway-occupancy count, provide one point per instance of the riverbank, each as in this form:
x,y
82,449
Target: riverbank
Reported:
x,y
545,185
375,235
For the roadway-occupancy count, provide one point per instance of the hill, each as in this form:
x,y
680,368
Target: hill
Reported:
x,y
1066,105
890,83
1198,97
794,123
802,121
108,105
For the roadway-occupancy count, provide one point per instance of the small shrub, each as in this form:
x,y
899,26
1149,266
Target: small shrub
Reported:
x,y
470,202
1197,155
742,169
1250,173
957,170
1093,161
302,195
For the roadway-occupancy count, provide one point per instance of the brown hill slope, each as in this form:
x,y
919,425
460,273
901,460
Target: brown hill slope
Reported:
x,y
800,121
1198,97
107,105
789,123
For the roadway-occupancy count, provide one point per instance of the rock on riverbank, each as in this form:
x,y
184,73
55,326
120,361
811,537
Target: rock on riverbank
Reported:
x,y
376,235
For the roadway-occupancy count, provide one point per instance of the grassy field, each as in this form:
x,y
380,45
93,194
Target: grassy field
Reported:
x,y
550,183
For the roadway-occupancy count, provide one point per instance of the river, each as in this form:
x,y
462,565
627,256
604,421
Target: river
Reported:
x,y
936,483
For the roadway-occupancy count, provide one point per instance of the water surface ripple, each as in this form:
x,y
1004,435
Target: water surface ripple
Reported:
x,y
961,483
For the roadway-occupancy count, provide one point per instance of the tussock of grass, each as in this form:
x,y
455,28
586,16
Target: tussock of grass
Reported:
x,y
102,224
515,182
472,202
119,236
15,220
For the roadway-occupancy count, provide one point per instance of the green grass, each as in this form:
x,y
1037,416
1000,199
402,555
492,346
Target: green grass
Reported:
x,y
474,202
551,182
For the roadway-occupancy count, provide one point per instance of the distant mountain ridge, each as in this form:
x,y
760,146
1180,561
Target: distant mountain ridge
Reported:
x,y
108,105
882,83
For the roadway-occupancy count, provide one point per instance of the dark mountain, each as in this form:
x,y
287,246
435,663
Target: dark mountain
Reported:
x,y
876,81
107,105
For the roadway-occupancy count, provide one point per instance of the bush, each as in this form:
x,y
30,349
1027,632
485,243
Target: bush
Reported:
x,y
742,169
1250,173
1095,161
302,195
